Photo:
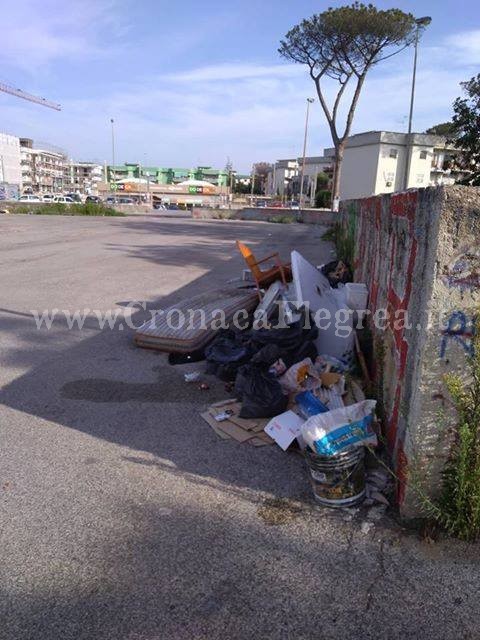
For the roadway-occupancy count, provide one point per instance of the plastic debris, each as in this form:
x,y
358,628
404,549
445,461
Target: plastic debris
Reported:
x,y
194,376
331,433
309,405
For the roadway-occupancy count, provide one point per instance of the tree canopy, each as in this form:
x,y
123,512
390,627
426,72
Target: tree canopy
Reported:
x,y
466,122
343,44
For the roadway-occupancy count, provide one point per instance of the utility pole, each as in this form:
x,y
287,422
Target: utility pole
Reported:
x,y
421,22
309,102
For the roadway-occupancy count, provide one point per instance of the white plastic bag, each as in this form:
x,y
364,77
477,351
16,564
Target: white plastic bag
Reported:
x,y
334,431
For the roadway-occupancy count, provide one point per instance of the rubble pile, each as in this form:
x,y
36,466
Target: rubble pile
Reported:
x,y
294,375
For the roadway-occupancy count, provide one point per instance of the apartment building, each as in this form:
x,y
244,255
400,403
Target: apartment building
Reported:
x,y
378,161
10,171
42,169
82,177
285,176
167,175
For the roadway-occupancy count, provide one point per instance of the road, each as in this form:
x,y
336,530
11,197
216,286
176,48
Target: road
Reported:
x,y
124,517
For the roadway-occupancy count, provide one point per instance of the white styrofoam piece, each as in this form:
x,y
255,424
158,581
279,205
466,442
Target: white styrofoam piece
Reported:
x,y
313,290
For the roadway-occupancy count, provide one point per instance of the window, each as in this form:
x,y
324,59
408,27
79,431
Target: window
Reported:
x,y
423,155
420,177
393,153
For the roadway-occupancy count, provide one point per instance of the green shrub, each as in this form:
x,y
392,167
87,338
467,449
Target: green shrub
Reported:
x,y
282,219
323,199
59,209
457,510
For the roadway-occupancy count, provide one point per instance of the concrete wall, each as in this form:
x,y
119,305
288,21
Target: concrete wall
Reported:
x,y
418,252
266,214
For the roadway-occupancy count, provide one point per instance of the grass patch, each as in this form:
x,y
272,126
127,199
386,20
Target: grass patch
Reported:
x,y
282,219
58,209
343,241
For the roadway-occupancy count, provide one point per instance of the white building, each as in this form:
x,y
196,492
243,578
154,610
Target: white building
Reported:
x,y
42,169
285,176
377,162
10,171
82,177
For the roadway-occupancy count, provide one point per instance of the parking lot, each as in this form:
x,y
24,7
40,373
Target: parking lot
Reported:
x,y
123,516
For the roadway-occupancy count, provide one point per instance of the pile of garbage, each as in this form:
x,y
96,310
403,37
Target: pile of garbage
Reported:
x,y
293,381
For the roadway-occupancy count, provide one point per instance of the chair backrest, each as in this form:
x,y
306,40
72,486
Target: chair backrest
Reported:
x,y
249,258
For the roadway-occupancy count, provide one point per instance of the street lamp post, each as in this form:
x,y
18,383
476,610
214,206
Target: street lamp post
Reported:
x,y
420,22
309,102
252,186
113,151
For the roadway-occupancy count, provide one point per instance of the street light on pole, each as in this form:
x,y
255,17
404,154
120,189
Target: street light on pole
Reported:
x,y
309,102
420,22
113,150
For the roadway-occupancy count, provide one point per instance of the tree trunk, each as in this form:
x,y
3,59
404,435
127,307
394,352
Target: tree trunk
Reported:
x,y
339,151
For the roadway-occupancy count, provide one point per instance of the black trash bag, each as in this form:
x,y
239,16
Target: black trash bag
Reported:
x,y
228,351
268,354
289,338
337,272
260,393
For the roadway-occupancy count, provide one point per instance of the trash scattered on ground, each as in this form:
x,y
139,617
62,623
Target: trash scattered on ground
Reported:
x,y
194,376
285,428
295,384
335,431
234,427
366,527
337,480
337,272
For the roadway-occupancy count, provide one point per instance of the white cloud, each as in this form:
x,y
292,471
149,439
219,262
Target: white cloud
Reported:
x,y
37,34
465,46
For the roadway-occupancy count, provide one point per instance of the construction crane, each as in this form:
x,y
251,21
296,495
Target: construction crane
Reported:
x,y
28,96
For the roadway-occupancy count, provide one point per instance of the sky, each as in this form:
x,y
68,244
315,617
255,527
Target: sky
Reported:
x,y
191,83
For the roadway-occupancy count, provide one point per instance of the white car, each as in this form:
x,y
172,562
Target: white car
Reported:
x,y
63,200
30,198
48,197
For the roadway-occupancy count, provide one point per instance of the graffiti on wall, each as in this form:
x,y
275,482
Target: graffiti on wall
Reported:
x,y
460,329
385,255
464,271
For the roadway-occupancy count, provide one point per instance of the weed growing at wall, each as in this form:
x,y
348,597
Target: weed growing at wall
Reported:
x,y
457,509
343,241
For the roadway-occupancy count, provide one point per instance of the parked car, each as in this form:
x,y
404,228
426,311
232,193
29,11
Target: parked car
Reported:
x,y
47,197
63,200
159,205
173,207
126,201
94,199
30,198
76,197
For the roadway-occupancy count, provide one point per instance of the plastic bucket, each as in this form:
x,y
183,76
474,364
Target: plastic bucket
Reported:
x,y
338,481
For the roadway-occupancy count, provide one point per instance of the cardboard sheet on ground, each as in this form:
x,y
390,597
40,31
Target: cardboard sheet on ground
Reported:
x,y
313,289
236,428
284,428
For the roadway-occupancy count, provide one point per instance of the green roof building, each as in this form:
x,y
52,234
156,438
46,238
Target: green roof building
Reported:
x,y
162,175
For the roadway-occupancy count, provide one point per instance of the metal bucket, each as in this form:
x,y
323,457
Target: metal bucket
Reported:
x,y
338,481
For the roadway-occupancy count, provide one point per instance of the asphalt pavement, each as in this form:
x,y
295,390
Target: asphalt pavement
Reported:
x,y
124,517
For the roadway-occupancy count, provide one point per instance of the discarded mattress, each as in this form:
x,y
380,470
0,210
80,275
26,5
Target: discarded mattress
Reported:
x,y
335,325
201,318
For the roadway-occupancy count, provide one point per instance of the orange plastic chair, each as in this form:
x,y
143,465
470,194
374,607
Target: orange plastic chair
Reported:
x,y
265,277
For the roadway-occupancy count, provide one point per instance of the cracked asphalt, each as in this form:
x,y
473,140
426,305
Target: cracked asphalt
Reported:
x,y
124,517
